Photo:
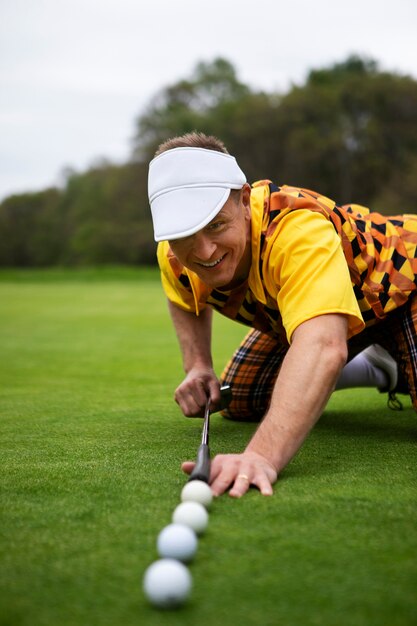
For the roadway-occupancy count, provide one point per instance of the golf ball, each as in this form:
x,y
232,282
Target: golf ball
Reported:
x,y
197,491
167,583
192,514
177,541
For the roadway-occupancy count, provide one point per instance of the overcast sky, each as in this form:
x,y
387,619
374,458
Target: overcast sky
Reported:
x,y
76,74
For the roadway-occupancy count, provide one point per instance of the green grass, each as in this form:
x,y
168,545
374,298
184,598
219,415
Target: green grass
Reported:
x,y
91,444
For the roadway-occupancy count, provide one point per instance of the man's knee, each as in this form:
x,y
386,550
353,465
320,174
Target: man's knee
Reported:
x,y
242,411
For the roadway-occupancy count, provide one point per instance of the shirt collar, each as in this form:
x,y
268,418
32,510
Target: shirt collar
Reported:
x,y
259,195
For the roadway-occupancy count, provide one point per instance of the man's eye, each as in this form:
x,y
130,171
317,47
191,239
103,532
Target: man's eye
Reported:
x,y
215,225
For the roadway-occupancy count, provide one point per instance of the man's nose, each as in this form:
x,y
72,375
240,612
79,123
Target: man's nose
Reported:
x,y
204,248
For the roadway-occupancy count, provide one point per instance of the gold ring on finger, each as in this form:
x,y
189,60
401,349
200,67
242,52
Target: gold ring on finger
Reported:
x,y
243,477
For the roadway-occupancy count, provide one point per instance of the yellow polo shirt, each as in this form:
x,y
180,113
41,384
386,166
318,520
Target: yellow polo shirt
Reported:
x,y
298,272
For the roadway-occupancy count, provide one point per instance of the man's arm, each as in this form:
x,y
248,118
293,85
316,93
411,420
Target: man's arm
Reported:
x,y
306,380
194,336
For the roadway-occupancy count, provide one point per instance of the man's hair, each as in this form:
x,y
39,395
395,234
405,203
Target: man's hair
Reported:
x,y
193,140
197,140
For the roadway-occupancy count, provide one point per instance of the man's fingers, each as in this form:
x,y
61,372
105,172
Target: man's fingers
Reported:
x,y
193,392
241,486
221,484
190,405
237,472
223,473
188,466
264,486
243,482
214,393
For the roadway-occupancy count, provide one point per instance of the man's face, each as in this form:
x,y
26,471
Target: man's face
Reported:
x,y
220,253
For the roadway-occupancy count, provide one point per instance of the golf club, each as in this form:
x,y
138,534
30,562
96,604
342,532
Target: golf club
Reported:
x,y
201,470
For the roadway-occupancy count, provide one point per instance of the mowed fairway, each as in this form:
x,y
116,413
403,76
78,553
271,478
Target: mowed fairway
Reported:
x,y
91,446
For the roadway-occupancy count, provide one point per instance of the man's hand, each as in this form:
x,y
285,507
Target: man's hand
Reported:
x,y
306,379
200,383
195,389
238,472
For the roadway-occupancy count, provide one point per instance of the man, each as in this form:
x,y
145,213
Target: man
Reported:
x,y
316,283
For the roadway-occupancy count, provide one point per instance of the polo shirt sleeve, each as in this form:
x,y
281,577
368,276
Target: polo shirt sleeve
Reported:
x,y
306,271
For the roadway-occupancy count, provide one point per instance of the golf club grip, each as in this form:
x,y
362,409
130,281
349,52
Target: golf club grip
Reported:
x,y
225,396
201,470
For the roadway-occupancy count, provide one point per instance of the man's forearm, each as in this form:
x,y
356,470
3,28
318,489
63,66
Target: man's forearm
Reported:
x,y
305,382
194,336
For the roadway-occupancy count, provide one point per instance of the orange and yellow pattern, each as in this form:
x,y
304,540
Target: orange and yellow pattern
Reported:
x,y
381,251
373,274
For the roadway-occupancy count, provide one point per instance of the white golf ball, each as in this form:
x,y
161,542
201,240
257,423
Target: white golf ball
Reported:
x,y
192,514
167,583
197,491
177,541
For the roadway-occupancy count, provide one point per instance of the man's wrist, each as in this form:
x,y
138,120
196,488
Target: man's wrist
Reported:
x,y
267,452
274,441
198,364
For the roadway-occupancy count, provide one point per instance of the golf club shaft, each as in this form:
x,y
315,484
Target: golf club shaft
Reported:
x,y
201,469
206,425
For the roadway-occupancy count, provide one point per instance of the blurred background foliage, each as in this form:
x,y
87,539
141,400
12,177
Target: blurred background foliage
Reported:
x,y
350,132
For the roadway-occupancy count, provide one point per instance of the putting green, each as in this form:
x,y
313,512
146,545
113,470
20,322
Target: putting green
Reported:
x,y
91,444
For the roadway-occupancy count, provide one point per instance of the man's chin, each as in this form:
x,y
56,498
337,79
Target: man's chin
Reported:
x,y
216,279
230,283
214,282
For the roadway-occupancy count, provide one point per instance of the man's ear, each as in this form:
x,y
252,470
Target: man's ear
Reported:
x,y
246,191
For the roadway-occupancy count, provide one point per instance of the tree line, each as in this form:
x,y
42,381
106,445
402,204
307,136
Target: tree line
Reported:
x,y
350,132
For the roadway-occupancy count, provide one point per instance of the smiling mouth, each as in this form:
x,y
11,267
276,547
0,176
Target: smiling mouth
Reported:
x,y
209,265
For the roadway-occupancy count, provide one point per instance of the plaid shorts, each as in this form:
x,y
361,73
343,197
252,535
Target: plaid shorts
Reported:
x,y
254,367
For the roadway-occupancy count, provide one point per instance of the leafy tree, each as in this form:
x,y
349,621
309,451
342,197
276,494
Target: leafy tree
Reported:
x,y
31,229
101,216
186,105
107,216
399,194
349,132
348,129
345,132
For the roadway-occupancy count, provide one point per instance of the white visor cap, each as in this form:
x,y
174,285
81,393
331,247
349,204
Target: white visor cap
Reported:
x,y
187,187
